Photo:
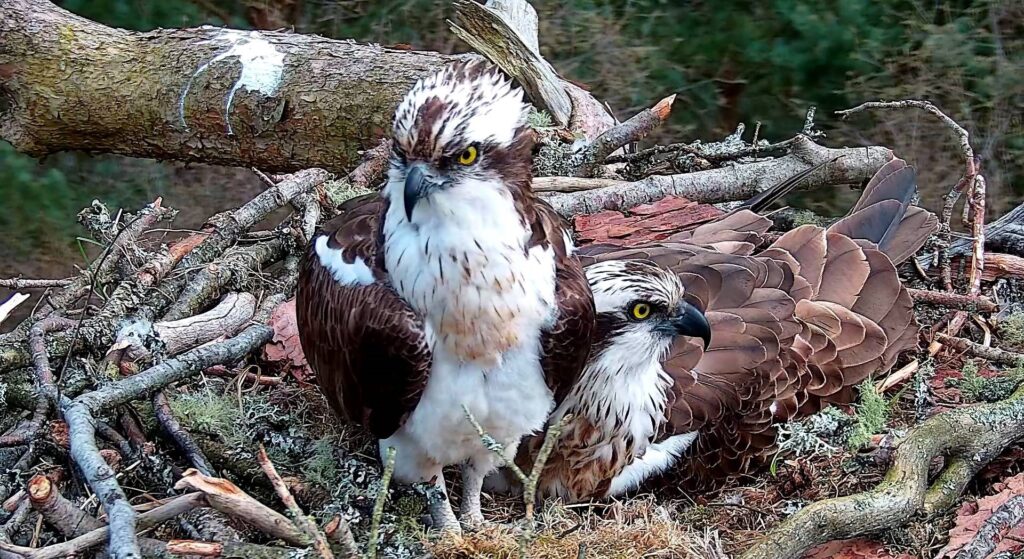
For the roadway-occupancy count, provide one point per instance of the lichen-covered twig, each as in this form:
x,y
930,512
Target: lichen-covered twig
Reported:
x,y
19,283
234,270
739,182
551,436
300,519
1007,515
378,504
993,354
970,437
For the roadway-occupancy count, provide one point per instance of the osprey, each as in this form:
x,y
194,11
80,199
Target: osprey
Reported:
x,y
791,329
454,289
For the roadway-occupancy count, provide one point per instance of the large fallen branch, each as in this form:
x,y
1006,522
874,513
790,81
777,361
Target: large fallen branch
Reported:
x,y
273,100
969,437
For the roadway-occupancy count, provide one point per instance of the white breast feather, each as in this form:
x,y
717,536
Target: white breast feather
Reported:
x,y
511,293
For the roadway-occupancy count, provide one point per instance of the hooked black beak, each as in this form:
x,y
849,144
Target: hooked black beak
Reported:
x,y
415,184
689,321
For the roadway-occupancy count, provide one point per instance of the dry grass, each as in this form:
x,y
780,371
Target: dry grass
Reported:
x,y
641,527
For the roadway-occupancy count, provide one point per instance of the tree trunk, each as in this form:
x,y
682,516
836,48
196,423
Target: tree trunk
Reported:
x,y
277,101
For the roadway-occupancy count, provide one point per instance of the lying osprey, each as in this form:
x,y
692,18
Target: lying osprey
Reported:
x,y
455,287
791,329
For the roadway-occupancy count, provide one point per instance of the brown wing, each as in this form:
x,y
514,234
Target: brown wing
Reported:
x,y
364,342
794,327
566,344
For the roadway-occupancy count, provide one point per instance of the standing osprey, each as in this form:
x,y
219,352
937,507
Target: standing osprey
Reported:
x,y
453,289
791,329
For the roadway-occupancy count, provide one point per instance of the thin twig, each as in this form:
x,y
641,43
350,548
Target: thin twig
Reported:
x,y
187,444
298,517
966,180
378,505
554,432
19,283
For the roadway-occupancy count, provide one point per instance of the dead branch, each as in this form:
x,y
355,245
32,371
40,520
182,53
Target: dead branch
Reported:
x,y
491,33
1008,515
634,129
187,444
1003,265
300,519
180,100
230,550
234,311
19,283
339,533
146,520
972,303
971,436
187,99
993,354
227,498
738,182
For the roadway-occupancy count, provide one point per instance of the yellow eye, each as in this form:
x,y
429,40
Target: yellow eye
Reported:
x,y
641,311
468,156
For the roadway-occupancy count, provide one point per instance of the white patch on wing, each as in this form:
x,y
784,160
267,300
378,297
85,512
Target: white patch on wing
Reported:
x,y
345,273
262,68
570,247
658,458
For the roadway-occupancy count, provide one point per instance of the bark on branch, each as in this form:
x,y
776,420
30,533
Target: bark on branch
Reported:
x,y
970,437
272,100
737,182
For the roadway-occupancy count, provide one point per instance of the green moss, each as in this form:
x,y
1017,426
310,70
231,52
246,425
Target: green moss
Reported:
x,y
872,413
322,468
976,388
1011,330
207,412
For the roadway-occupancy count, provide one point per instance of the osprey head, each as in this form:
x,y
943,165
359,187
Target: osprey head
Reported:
x,y
461,129
641,305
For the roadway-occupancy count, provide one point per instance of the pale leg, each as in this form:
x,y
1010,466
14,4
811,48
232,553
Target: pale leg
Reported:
x,y
440,506
473,474
413,466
